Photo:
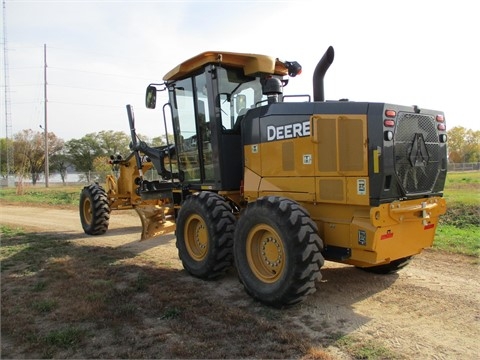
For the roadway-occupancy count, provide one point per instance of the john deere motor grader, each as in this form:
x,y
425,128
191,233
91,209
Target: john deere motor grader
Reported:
x,y
275,184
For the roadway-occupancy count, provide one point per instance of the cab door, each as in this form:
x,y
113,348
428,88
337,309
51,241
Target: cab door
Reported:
x,y
192,130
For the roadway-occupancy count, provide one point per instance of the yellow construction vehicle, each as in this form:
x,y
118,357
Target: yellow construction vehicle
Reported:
x,y
122,193
273,184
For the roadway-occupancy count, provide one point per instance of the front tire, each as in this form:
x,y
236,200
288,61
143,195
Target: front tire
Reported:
x,y
204,233
277,251
94,210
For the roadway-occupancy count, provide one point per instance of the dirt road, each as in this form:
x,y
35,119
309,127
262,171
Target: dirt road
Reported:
x,y
429,310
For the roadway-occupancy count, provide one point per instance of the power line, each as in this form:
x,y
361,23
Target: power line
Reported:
x,y
26,102
84,104
99,73
23,85
94,89
24,67
117,59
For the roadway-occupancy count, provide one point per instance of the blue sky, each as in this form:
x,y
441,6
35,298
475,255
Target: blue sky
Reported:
x,y
101,55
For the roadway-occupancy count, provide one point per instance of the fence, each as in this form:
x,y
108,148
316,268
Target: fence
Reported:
x,y
71,179
464,166
76,178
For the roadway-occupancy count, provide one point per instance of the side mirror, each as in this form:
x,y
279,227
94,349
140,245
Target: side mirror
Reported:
x,y
151,97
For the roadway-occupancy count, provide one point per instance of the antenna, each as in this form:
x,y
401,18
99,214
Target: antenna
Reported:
x,y
8,119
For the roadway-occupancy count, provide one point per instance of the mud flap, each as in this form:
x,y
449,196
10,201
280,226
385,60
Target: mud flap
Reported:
x,y
154,221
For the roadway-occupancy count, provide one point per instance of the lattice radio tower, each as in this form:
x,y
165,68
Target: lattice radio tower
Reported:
x,y
8,117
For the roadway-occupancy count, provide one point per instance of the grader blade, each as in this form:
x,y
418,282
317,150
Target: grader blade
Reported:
x,y
154,221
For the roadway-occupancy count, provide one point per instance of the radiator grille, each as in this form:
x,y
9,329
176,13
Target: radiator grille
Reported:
x,y
416,150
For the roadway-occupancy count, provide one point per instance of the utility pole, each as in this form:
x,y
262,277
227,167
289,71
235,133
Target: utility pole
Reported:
x,y
8,121
45,113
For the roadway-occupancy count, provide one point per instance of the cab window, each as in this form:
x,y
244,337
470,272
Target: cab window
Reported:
x,y
237,94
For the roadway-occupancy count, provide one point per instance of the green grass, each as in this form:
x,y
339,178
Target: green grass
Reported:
x,y
65,338
458,240
463,188
61,195
26,251
359,349
459,228
458,178
466,196
11,232
44,306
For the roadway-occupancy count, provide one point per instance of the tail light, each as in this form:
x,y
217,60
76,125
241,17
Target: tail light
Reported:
x,y
389,122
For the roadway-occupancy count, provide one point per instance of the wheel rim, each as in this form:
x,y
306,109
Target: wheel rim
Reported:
x,y
196,237
87,211
265,253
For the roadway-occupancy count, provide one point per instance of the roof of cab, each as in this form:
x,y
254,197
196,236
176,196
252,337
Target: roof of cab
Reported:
x,y
251,64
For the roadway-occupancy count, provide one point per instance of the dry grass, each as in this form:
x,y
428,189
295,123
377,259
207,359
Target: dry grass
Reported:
x,y
65,301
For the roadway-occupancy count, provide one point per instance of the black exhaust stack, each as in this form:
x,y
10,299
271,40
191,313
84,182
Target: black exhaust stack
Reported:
x,y
319,74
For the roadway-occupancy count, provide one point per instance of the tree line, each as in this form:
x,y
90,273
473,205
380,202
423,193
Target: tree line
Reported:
x,y
88,154
92,152
463,145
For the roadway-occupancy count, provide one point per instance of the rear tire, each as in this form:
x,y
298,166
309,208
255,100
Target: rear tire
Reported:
x,y
389,268
94,210
204,233
277,251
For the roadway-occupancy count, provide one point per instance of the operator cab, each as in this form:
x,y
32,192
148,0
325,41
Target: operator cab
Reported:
x,y
208,96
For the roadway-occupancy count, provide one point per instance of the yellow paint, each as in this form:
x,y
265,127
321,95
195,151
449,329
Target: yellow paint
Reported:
x,y
251,64
376,161
340,144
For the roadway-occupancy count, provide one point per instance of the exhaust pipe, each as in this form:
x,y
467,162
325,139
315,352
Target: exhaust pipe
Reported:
x,y
319,74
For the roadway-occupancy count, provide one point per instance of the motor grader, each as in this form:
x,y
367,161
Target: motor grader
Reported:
x,y
275,184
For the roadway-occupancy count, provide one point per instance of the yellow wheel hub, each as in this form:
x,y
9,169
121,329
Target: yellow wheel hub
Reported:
x,y
196,237
87,211
265,253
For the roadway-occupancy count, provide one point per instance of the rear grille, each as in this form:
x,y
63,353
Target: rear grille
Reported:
x,y
416,151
